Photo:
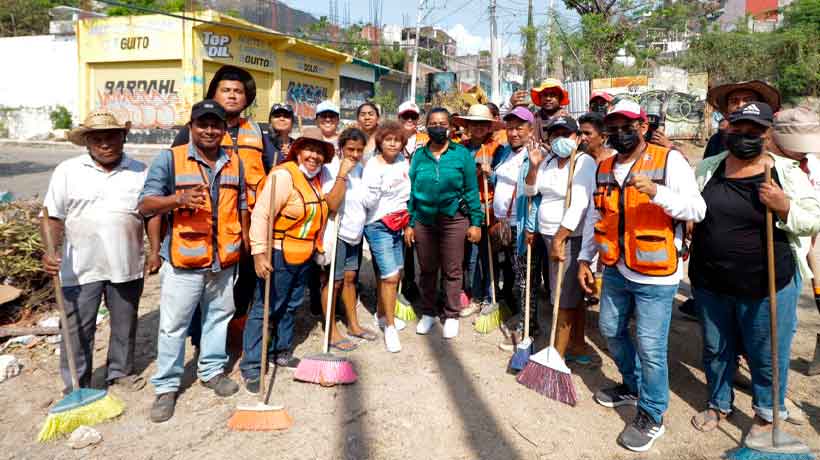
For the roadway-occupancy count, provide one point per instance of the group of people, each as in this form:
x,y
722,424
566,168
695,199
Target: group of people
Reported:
x,y
231,204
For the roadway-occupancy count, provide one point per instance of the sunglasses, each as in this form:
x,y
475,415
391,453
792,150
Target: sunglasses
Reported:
x,y
281,108
409,116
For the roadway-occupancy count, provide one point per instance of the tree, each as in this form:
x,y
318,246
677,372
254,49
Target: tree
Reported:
x,y
529,34
164,6
385,99
29,17
393,57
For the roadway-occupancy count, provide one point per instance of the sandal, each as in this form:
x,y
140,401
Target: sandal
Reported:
x,y
707,420
344,345
365,334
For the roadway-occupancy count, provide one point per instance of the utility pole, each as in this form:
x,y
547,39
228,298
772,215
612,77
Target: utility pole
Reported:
x,y
495,92
529,49
415,72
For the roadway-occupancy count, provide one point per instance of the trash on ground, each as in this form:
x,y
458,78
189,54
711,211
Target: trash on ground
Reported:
x,y
53,322
83,437
9,367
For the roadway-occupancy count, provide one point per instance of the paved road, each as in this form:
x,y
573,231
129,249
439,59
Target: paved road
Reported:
x,y
25,171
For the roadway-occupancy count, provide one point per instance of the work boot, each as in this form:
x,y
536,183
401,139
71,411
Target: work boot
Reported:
x,y
252,385
163,407
578,350
222,385
564,331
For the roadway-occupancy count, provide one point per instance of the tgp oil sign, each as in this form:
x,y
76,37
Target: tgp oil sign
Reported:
x,y
216,46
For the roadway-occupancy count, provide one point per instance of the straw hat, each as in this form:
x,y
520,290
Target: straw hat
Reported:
x,y
96,121
478,112
8,293
535,93
797,130
719,95
311,136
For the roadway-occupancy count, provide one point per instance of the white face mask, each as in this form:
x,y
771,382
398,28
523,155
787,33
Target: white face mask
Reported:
x,y
563,146
309,174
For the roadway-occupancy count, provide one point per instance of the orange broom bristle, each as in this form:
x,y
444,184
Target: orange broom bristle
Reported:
x,y
260,420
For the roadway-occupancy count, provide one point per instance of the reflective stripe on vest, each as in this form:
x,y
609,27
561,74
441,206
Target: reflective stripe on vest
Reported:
x,y
631,226
300,235
193,243
250,148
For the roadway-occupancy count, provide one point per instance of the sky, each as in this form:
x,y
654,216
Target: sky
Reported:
x,y
467,21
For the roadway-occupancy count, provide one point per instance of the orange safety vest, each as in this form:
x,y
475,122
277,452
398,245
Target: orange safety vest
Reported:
x,y
301,234
193,242
631,226
250,149
486,151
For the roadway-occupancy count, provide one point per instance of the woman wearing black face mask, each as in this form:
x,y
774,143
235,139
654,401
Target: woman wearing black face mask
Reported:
x,y
729,272
443,206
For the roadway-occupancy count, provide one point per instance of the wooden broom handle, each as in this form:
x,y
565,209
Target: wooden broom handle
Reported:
x,y
58,294
772,315
489,244
559,279
331,282
527,287
263,391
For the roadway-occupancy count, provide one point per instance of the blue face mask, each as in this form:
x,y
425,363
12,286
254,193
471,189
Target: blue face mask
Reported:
x,y
563,146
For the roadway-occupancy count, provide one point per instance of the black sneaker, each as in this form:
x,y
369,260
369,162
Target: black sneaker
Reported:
x,y
287,360
639,435
222,385
163,407
252,386
616,397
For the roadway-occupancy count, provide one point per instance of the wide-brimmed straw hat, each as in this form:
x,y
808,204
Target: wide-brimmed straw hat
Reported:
x,y
311,136
478,112
797,130
96,121
549,83
718,96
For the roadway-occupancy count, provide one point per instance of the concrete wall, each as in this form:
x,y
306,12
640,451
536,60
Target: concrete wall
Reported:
x,y
42,73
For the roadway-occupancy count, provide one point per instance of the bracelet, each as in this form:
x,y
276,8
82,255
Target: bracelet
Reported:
x,y
342,178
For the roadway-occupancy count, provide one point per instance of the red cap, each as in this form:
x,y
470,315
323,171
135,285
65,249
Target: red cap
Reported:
x,y
602,94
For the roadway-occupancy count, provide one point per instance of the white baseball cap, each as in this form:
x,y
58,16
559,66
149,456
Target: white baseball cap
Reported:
x,y
326,106
409,106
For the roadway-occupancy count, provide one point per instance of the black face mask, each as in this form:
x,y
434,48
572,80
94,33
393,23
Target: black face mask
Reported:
x,y
438,134
624,142
744,146
598,108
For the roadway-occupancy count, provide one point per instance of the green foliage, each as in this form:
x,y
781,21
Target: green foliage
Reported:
x,y
27,17
596,45
60,118
393,57
804,14
234,13
432,57
166,6
385,99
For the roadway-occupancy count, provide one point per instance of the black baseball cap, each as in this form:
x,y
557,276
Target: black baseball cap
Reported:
x,y
566,122
281,108
207,107
756,112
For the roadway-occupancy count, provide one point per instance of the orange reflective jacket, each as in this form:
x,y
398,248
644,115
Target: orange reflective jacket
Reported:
x,y
193,242
631,226
250,148
301,233
486,153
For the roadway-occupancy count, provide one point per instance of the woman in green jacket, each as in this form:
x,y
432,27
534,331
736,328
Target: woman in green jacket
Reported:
x,y
443,206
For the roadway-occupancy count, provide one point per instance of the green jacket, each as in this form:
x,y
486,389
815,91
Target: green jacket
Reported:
x,y
444,186
804,210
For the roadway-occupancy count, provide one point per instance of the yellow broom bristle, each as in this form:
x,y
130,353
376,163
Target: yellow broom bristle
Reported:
x,y
260,420
91,414
405,312
485,324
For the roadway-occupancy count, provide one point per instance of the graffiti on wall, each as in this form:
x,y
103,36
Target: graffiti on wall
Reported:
x,y
304,98
146,103
354,93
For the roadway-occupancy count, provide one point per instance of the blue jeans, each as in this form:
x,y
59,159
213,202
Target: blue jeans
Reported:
x,y
287,294
728,320
643,368
180,292
386,247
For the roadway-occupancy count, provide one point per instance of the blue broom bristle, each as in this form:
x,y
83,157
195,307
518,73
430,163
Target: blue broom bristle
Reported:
x,y
548,382
520,358
745,453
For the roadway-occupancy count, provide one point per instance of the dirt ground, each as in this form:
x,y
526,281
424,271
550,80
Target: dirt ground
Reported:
x,y
436,399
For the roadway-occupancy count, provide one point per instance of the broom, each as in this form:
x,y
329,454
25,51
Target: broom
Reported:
x,y
262,416
546,371
524,348
83,406
325,368
490,317
781,446
404,310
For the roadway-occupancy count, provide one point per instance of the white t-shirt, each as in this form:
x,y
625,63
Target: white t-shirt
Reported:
x,y
387,186
352,213
103,228
680,199
506,181
551,184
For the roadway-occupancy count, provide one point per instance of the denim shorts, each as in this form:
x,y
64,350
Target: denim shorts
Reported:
x,y
348,258
386,247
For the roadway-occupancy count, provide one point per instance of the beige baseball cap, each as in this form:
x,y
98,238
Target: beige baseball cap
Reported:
x,y
797,130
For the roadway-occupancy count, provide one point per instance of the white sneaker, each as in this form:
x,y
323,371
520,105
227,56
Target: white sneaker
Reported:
x,y
399,323
425,324
391,339
450,328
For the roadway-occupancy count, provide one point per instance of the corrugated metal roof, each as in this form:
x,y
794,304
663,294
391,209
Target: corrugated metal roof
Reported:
x,y
578,97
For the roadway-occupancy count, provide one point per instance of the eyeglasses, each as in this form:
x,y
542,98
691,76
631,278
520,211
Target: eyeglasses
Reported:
x,y
281,108
409,116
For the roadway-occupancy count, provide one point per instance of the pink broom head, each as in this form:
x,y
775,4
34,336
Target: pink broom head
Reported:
x,y
548,382
465,301
326,370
